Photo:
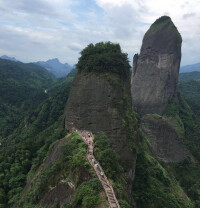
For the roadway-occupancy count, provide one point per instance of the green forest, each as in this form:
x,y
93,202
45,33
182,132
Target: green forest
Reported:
x,y
32,104
30,122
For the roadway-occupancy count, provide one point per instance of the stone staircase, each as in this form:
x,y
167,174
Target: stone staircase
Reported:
x,y
112,200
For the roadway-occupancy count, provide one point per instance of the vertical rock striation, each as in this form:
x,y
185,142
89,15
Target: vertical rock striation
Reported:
x,y
155,70
154,83
100,99
91,106
164,138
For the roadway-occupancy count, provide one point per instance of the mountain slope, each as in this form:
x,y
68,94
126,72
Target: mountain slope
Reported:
x,y
55,67
195,75
65,178
100,100
168,127
190,68
9,58
29,143
22,87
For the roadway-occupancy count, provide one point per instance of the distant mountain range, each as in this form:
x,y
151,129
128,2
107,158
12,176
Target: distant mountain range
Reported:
x,y
9,58
54,66
190,68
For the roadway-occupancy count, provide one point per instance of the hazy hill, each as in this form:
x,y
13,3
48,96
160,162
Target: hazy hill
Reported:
x,y
55,67
195,75
189,87
190,90
9,58
29,122
22,87
190,68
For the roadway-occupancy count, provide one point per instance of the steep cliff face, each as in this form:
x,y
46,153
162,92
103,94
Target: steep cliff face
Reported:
x,y
154,84
99,99
92,106
155,71
164,138
61,177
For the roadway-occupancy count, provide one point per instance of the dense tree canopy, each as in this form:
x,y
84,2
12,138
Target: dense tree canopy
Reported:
x,y
104,57
30,122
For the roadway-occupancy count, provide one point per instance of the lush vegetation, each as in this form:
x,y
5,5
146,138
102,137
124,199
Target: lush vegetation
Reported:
x,y
38,127
87,194
22,88
109,161
107,157
186,112
187,173
31,109
188,121
130,117
190,90
104,58
153,187
29,125
195,75
157,184
71,166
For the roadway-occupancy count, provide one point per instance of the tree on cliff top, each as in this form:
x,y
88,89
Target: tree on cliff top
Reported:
x,y
104,57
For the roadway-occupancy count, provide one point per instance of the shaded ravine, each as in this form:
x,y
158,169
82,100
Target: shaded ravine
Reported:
x,y
113,202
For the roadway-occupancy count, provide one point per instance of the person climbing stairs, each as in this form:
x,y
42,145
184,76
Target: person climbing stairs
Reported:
x,y
88,138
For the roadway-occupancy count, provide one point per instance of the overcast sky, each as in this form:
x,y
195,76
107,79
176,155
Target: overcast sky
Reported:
x,y
33,30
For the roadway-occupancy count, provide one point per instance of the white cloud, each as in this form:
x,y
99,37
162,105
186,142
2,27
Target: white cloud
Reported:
x,y
185,14
43,29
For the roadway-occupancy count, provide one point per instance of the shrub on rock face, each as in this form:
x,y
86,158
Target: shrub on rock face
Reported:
x,y
87,194
104,57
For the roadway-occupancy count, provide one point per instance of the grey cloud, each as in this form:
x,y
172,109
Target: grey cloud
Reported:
x,y
29,6
75,47
121,21
38,10
48,31
38,44
167,14
188,15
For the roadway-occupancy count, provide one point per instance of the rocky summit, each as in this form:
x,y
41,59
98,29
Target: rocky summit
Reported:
x,y
96,99
91,106
156,68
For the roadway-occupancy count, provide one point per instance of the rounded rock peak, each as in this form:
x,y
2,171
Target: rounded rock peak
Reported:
x,y
155,71
104,57
164,23
162,19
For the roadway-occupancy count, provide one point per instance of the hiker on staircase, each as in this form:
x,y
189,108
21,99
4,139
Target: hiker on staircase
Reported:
x,y
102,174
112,200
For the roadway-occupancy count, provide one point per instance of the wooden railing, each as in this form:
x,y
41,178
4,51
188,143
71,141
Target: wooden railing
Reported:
x,y
112,200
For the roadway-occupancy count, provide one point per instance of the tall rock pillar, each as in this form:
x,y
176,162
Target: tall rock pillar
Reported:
x,y
155,70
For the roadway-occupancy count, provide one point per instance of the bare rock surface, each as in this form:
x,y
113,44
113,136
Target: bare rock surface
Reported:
x,y
165,140
62,192
155,70
91,106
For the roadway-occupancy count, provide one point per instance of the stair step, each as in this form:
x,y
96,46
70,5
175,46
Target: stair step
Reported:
x,y
105,183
